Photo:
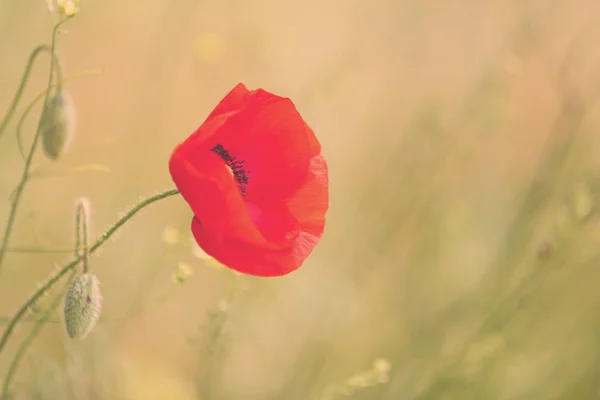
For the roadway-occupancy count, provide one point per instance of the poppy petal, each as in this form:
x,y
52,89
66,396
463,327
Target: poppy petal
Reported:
x,y
271,138
247,259
235,100
310,203
256,181
213,195
313,142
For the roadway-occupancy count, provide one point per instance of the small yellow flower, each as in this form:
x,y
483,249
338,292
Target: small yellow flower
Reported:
x,y
214,264
183,272
382,365
210,48
582,201
67,8
199,253
170,235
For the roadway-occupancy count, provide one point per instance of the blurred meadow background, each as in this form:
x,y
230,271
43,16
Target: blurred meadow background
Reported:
x,y
461,259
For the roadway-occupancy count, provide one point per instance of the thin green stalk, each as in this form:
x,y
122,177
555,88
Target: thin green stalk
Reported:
x,y
36,250
54,278
151,305
25,175
205,387
146,280
12,369
25,78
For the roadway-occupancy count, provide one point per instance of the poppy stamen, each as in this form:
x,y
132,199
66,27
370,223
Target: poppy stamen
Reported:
x,y
236,166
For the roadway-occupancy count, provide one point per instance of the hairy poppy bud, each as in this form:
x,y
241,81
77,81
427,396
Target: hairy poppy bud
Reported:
x,y
82,306
57,124
83,216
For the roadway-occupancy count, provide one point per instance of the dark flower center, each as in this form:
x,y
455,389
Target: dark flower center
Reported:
x,y
236,166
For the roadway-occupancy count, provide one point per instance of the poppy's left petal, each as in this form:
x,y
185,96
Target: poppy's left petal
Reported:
x,y
200,191
208,186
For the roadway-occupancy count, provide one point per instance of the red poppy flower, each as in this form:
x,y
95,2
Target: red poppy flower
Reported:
x,y
256,181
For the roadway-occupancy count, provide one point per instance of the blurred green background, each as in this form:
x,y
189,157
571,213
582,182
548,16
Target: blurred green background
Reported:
x,y
461,254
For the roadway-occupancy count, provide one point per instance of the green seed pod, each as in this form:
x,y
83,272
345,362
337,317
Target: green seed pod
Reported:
x,y
82,306
57,124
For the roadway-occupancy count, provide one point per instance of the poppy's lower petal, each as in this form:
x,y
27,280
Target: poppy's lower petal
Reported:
x,y
249,259
275,222
301,247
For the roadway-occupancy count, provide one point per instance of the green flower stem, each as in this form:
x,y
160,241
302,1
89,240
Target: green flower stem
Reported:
x,y
37,250
64,270
12,369
151,305
25,175
25,78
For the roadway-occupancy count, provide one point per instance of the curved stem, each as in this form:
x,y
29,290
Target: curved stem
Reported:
x,y
64,270
35,250
12,369
25,175
25,78
151,305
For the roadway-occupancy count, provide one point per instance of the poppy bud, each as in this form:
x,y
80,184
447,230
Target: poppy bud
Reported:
x,y
82,306
57,124
83,217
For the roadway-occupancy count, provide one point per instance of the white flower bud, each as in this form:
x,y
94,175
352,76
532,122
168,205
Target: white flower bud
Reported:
x,y
82,306
57,124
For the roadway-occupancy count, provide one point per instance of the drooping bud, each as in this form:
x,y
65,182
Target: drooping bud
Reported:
x,y
82,306
57,124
